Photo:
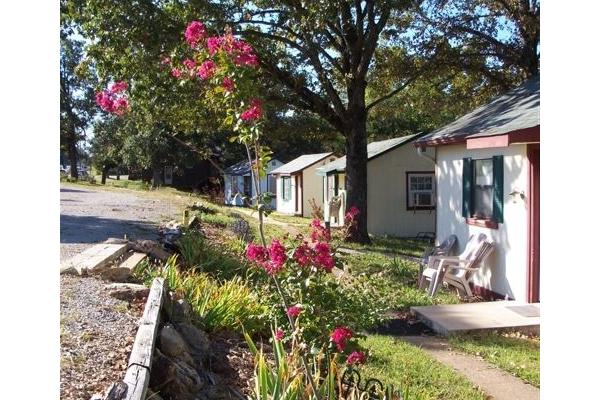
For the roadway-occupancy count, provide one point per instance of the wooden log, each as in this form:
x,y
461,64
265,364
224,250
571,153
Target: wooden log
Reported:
x,y
137,377
94,259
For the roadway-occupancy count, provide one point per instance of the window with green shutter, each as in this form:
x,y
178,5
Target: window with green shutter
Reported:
x,y
483,189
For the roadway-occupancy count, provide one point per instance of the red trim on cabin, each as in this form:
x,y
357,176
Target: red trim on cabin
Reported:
x,y
533,223
525,135
484,223
487,294
487,142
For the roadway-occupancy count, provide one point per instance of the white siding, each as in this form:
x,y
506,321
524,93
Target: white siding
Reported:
x,y
505,271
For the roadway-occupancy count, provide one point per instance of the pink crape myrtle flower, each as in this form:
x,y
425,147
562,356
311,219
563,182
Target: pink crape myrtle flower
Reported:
x,y
194,33
253,112
118,87
250,60
277,258
176,72
351,214
166,61
304,255
279,334
257,253
294,311
356,357
121,105
339,336
319,232
207,69
213,44
228,84
189,63
323,258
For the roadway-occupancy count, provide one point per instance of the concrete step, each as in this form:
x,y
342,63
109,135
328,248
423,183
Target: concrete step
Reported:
x,y
133,260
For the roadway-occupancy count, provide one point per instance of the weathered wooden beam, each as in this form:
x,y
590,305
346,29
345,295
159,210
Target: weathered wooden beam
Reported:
x,y
94,259
137,376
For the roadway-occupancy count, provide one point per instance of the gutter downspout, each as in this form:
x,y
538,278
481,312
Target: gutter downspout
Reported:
x,y
421,152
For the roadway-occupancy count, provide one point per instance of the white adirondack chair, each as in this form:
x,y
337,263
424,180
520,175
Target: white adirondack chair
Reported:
x,y
457,270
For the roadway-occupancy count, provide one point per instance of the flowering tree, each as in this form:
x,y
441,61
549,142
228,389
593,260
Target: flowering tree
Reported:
x,y
224,67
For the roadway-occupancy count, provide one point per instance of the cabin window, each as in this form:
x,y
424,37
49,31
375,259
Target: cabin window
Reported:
x,y
271,182
483,191
420,190
286,188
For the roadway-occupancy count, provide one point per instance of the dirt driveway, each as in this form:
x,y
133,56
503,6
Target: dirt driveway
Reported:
x,y
89,216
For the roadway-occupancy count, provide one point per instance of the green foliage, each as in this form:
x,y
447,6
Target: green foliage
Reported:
x,y
217,305
518,355
201,256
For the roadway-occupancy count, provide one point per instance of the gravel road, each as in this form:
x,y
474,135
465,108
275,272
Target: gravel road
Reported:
x,y
91,216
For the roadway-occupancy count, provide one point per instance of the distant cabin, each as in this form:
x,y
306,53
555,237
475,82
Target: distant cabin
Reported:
x,y
400,189
487,167
297,184
239,185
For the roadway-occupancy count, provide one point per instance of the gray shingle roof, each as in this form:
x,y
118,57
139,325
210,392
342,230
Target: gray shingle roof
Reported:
x,y
517,109
241,168
300,163
373,149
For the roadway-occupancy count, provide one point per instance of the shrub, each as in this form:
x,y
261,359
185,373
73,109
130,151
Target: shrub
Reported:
x,y
217,305
242,230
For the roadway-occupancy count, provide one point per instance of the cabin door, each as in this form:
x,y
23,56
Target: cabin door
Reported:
x,y
533,273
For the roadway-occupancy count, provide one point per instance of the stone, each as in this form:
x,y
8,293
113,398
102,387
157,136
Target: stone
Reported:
x,y
216,392
127,291
171,342
197,341
179,310
174,378
117,274
116,241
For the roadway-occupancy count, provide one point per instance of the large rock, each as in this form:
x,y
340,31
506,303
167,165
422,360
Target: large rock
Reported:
x,y
116,274
197,341
173,345
178,310
127,291
174,378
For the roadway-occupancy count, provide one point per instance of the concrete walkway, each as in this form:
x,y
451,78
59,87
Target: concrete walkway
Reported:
x,y
498,384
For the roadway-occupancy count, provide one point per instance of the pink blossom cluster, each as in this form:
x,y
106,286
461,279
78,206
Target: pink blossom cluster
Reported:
x,y
241,52
194,33
253,112
340,336
319,232
351,214
356,357
207,69
113,99
228,84
279,334
318,256
189,63
176,72
294,311
271,259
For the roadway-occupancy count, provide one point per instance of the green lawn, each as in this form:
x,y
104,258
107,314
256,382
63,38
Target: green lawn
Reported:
x,y
407,367
516,355
393,246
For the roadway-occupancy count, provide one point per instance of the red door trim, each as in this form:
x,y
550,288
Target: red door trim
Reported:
x,y
533,224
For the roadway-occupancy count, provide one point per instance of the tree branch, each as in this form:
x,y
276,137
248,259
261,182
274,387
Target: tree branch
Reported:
x,y
395,91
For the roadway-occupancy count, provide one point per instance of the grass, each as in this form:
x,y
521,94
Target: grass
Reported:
x,y
406,367
396,280
516,355
393,246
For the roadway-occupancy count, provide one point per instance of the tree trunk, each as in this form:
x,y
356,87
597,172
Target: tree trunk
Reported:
x,y
156,177
356,172
72,146
104,174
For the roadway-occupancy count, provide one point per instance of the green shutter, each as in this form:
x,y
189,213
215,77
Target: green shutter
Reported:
x,y
498,168
467,180
336,184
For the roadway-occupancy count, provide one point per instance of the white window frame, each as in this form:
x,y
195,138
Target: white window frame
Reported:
x,y
410,193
